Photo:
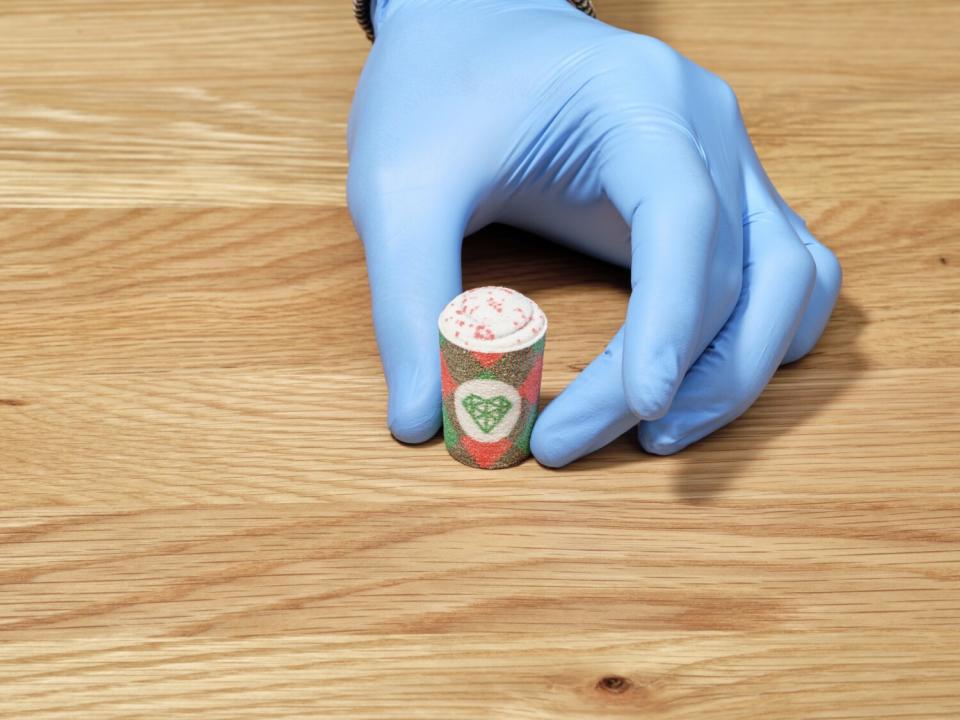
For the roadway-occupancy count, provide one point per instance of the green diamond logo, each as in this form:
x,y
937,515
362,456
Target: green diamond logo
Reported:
x,y
487,412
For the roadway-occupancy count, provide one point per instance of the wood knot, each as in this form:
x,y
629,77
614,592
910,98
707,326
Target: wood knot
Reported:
x,y
614,684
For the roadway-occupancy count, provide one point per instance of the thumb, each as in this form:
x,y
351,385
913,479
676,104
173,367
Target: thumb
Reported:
x,y
412,244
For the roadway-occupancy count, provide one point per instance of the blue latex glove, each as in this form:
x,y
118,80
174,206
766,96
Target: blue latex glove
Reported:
x,y
531,113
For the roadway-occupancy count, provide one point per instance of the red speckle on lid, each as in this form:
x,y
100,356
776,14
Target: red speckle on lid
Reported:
x,y
482,332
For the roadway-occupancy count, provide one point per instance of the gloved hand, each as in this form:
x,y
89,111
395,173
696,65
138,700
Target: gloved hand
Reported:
x,y
531,113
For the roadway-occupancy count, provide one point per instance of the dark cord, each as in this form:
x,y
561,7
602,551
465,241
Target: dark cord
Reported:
x,y
362,11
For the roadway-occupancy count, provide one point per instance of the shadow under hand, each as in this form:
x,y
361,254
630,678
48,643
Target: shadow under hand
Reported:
x,y
798,393
504,255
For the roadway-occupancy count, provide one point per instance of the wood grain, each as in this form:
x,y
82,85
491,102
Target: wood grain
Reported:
x,y
133,102
202,513
671,675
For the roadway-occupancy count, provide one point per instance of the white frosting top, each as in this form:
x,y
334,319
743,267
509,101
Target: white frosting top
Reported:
x,y
492,319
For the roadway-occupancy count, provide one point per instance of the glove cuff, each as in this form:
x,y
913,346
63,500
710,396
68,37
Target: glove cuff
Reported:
x,y
363,11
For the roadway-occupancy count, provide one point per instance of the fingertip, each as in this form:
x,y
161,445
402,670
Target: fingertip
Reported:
x,y
657,343
829,270
823,298
649,392
548,447
414,430
413,411
657,442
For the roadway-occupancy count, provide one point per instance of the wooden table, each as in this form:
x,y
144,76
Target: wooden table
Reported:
x,y
203,515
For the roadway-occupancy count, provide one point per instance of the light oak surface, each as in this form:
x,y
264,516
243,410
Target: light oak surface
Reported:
x,y
203,515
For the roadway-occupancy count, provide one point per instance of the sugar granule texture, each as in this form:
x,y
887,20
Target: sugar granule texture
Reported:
x,y
491,361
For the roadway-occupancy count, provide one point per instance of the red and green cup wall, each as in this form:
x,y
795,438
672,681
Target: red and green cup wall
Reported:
x,y
490,402
491,360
